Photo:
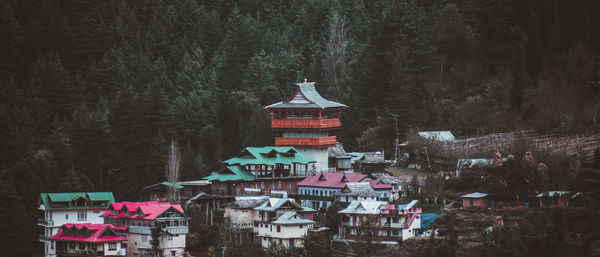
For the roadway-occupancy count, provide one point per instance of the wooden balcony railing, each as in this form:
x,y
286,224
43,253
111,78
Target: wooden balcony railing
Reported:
x,y
306,124
305,141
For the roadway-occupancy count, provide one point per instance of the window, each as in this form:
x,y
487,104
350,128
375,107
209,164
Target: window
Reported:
x,y
278,229
96,211
173,253
169,238
144,238
72,245
300,226
81,246
470,201
81,215
112,246
66,216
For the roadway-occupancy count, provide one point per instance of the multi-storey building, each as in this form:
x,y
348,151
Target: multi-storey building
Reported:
x,y
308,122
241,218
87,239
379,221
266,168
282,221
141,217
63,208
318,191
287,230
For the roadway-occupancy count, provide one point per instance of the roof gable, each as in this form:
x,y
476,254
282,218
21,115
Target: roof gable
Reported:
x,y
331,179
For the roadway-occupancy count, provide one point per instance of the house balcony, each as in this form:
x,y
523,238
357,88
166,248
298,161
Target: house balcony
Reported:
x,y
44,239
45,223
148,230
393,225
374,238
306,141
306,124
72,252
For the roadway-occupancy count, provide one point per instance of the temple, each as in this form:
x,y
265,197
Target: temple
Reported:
x,y
308,122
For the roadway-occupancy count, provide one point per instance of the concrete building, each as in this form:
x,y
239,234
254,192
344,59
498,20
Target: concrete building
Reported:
x,y
141,217
286,231
62,208
380,221
87,239
319,191
479,200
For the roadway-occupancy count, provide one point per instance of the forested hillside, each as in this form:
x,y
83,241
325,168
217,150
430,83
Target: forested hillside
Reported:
x,y
92,92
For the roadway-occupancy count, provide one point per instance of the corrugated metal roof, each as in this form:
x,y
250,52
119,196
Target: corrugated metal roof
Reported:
x,y
553,193
442,136
49,198
362,189
231,173
475,195
275,203
364,207
291,218
269,155
248,202
164,183
331,179
306,96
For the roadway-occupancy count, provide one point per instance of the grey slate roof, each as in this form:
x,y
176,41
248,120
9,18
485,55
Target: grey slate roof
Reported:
x,y
306,97
364,207
362,189
367,157
248,202
291,218
275,203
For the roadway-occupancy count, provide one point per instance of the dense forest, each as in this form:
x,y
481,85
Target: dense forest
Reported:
x,y
93,91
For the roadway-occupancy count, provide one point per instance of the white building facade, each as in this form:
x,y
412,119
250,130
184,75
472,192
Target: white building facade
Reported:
x,y
62,208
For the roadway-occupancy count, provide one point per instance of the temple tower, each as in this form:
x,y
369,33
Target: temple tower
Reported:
x,y
308,122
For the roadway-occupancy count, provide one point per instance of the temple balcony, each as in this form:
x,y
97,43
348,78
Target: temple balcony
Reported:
x,y
306,141
305,124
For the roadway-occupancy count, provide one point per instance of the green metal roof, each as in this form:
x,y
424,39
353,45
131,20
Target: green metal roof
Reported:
x,y
53,201
230,173
164,183
307,97
269,155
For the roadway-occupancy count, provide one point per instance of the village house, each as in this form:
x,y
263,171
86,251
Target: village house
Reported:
x,y
558,199
241,217
141,217
265,168
308,122
368,162
318,191
356,191
339,160
478,200
63,208
386,223
159,191
282,221
87,239
287,231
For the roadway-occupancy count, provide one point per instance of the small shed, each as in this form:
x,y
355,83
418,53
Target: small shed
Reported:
x,y
475,200
557,199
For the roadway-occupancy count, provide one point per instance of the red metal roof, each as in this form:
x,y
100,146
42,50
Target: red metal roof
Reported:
x,y
150,209
96,236
331,179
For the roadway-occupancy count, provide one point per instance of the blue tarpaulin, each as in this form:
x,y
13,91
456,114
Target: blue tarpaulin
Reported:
x,y
428,218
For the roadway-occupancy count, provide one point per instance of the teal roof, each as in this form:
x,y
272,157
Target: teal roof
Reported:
x,y
306,96
164,183
66,201
269,155
231,173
